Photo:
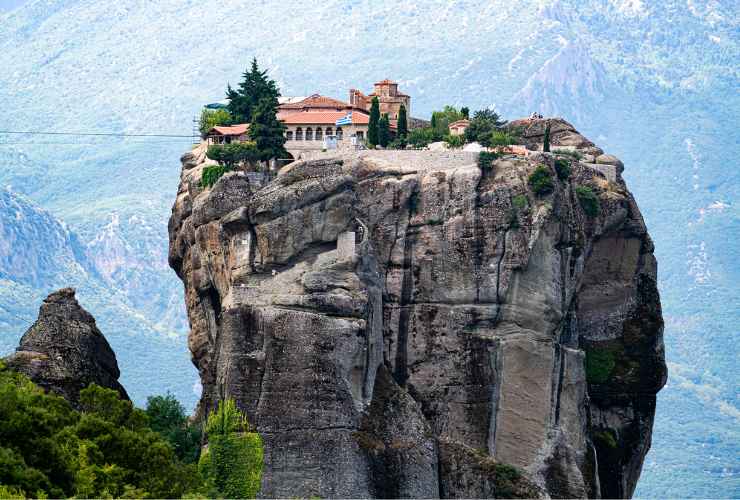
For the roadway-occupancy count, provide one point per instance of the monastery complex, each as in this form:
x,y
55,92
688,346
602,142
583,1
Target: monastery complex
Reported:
x,y
319,122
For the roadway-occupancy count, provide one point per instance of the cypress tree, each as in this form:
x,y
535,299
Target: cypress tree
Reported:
x,y
372,128
267,132
465,112
403,124
384,130
434,120
546,142
254,87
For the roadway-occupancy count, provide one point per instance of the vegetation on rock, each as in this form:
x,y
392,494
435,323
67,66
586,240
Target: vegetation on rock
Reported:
x,y
482,126
232,465
562,168
541,181
588,200
231,155
599,365
519,201
485,160
212,173
454,141
546,140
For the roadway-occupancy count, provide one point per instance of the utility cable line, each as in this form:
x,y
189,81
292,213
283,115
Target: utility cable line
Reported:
x,y
105,134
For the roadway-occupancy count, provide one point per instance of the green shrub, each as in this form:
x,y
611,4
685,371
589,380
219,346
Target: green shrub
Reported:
x,y
562,168
541,181
230,155
506,479
232,465
211,174
574,155
502,138
606,438
519,201
588,200
398,143
454,141
420,138
546,140
47,449
485,160
599,365
513,219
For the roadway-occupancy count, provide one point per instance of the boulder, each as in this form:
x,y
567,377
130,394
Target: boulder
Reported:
x,y
64,352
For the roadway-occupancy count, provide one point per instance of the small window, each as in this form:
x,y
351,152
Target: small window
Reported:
x,y
339,133
319,134
328,131
309,134
289,135
299,134
360,135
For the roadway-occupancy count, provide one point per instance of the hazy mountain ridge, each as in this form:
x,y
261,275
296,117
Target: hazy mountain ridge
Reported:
x,y
644,80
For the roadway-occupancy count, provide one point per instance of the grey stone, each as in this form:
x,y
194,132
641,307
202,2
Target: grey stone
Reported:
x,y
64,352
458,331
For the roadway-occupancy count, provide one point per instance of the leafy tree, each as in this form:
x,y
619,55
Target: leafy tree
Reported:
x,y
420,138
231,155
254,87
403,124
384,130
465,112
482,126
441,120
541,181
232,465
502,138
454,141
373,137
167,417
486,159
47,449
546,140
267,132
210,118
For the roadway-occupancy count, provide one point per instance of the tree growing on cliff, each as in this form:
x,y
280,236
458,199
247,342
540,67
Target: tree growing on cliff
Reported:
x,y
546,140
232,465
254,87
210,118
372,128
266,131
403,123
384,130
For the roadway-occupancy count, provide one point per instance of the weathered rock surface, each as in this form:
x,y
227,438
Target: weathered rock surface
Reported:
x,y
474,324
64,352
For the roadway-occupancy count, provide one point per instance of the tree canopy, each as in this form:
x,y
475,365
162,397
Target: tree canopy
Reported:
x,y
482,126
107,449
254,87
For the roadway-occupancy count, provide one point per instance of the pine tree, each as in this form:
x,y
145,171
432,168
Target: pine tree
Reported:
x,y
384,130
267,132
255,86
546,141
403,124
372,128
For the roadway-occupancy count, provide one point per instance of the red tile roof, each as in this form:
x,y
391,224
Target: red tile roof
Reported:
x,y
238,129
316,101
386,82
320,117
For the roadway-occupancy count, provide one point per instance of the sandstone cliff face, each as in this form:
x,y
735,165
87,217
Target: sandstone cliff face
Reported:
x,y
475,324
63,351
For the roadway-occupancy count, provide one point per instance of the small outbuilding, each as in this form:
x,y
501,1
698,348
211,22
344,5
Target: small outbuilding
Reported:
x,y
458,127
226,135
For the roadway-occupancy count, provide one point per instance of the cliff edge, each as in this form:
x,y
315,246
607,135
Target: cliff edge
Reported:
x,y
417,324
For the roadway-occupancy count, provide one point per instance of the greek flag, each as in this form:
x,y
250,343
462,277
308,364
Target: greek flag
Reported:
x,y
345,120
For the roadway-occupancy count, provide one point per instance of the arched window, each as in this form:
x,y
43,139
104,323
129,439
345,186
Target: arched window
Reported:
x,y
328,131
339,133
299,134
289,135
360,135
319,134
309,134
